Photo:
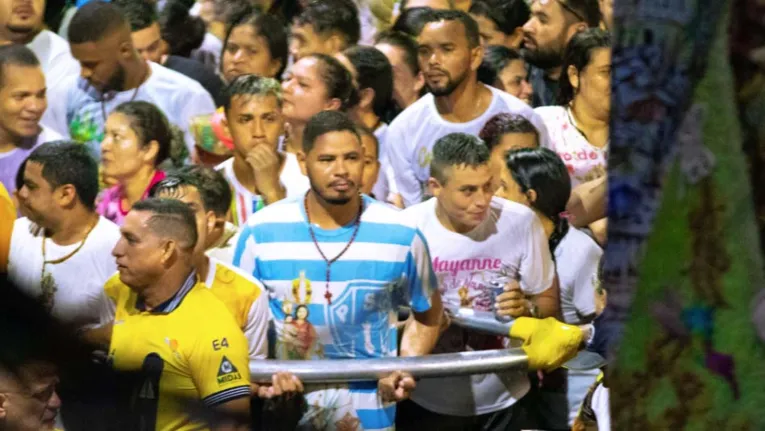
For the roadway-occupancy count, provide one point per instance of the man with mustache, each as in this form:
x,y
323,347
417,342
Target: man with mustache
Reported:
x,y
449,54
545,36
112,73
21,22
22,104
336,265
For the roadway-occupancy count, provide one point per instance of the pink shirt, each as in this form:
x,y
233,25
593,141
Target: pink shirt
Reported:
x,y
109,203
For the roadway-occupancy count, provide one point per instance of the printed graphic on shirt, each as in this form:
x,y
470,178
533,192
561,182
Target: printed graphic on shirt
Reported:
x,y
227,371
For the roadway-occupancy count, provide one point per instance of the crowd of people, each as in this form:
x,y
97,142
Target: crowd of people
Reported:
x,y
197,187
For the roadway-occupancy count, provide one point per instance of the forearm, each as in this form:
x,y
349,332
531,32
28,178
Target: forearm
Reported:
x,y
588,202
547,303
421,333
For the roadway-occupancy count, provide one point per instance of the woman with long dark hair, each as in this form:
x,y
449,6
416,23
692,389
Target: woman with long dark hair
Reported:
x,y
539,179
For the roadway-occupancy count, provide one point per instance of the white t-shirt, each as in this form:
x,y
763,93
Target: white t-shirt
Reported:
x,y
76,111
210,45
601,408
386,179
412,135
224,250
511,242
11,161
246,203
79,281
585,162
577,258
56,62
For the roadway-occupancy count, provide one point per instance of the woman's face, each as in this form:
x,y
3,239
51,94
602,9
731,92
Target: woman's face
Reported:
x,y
247,53
305,94
122,152
514,80
509,142
509,189
593,88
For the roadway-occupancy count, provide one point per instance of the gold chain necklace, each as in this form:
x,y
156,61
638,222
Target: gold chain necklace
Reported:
x,y
47,284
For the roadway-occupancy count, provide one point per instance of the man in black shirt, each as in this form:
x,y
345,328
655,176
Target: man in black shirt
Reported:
x,y
545,36
148,41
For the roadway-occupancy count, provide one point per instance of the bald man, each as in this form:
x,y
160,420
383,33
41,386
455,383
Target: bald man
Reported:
x,y
112,73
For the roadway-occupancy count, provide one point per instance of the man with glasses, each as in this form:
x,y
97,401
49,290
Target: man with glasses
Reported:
x,y
545,36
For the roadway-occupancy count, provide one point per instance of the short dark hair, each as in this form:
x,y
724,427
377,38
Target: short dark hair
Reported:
x,y
585,10
579,54
170,218
150,124
140,14
504,124
412,20
182,32
326,122
251,85
457,149
267,26
211,185
95,21
16,55
542,170
507,15
337,79
326,16
67,162
373,70
471,27
406,43
495,59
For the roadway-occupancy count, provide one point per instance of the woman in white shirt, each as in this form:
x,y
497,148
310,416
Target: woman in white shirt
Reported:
x,y
539,179
578,127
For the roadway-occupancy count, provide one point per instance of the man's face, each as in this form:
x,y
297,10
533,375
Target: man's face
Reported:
x,y
371,165
29,399
20,20
100,64
335,166
205,219
139,251
406,84
149,44
444,56
514,80
254,120
594,87
36,196
466,196
490,33
304,41
22,101
546,33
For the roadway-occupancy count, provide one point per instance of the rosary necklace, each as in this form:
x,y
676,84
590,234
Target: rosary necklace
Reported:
x,y
329,262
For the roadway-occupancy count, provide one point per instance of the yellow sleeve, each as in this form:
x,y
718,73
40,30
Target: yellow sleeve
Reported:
x,y
219,362
112,288
7,218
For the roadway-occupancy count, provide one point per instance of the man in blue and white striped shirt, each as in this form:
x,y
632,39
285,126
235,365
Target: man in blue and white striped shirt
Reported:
x,y
337,265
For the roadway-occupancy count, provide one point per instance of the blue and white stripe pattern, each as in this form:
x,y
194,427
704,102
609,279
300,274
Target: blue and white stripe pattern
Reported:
x,y
387,265
226,396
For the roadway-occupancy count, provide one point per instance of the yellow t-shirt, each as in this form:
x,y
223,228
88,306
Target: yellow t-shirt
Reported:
x,y
7,218
187,350
244,297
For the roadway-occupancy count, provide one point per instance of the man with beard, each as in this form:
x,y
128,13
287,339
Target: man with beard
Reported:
x,y
545,36
21,22
112,73
336,265
449,54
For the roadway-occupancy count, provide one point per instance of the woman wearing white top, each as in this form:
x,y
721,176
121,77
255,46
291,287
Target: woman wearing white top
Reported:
x,y
578,127
539,179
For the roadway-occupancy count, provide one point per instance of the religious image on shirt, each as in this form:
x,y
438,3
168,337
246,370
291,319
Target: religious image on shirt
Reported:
x,y
85,128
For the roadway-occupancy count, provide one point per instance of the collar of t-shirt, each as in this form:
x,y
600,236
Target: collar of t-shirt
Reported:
x,y
174,301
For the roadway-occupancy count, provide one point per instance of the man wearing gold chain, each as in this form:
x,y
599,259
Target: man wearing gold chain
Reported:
x,y
61,253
